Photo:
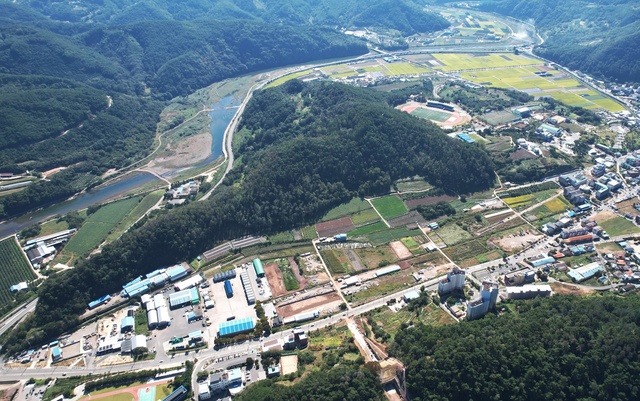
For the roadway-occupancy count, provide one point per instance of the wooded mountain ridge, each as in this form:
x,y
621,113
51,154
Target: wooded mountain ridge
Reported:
x,y
600,37
310,147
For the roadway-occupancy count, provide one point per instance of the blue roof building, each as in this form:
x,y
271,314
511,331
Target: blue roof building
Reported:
x,y
465,138
542,262
238,326
585,272
127,324
176,272
56,354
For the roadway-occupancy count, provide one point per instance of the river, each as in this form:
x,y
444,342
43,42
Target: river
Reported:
x,y
221,116
97,195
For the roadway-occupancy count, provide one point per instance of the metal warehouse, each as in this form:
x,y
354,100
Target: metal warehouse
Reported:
x,y
188,283
248,289
176,272
152,318
237,326
220,277
257,265
183,298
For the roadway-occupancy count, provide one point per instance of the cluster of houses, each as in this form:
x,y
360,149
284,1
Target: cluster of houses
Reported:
x,y
180,194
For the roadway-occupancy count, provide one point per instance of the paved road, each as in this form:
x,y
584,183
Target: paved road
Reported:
x,y
17,316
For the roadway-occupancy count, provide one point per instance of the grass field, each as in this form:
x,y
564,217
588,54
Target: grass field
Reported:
x,y
619,226
14,268
98,226
466,250
290,282
428,114
141,208
415,184
460,61
390,321
452,234
373,258
389,206
355,205
281,238
142,323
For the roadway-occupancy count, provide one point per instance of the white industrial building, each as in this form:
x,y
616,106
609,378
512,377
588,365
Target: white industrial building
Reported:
x,y
188,283
163,316
528,291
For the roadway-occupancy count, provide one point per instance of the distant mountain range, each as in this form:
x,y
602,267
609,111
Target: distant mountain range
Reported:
x,y
600,37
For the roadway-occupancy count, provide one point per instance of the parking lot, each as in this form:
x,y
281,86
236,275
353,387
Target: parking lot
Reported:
x,y
224,307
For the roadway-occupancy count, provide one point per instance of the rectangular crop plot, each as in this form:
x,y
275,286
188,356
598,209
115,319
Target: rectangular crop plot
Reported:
x,y
386,236
98,226
405,69
14,268
389,206
452,234
428,114
457,61
355,205
333,227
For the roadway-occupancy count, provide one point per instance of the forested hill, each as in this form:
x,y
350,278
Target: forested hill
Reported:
x,y
601,37
307,148
558,348
408,16
55,78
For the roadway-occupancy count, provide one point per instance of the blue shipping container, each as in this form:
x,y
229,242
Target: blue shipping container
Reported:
x,y
228,289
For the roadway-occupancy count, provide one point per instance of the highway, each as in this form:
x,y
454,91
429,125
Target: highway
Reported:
x,y
17,316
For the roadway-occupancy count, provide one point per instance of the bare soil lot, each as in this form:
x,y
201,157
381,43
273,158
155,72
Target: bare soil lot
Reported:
x,y
401,251
275,279
325,302
429,200
569,289
333,227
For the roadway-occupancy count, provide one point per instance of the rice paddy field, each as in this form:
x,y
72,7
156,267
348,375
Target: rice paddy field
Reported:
x,y
379,65
463,61
556,85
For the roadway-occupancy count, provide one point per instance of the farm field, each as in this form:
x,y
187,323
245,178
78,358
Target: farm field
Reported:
x,y
365,217
460,61
141,208
97,227
618,226
429,114
559,86
386,236
368,229
355,205
452,234
551,207
14,268
405,69
389,206
376,257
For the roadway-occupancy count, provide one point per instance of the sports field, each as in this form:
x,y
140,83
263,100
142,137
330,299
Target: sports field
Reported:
x,y
429,114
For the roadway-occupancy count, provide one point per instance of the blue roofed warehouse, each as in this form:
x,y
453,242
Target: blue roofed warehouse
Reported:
x,y
238,326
